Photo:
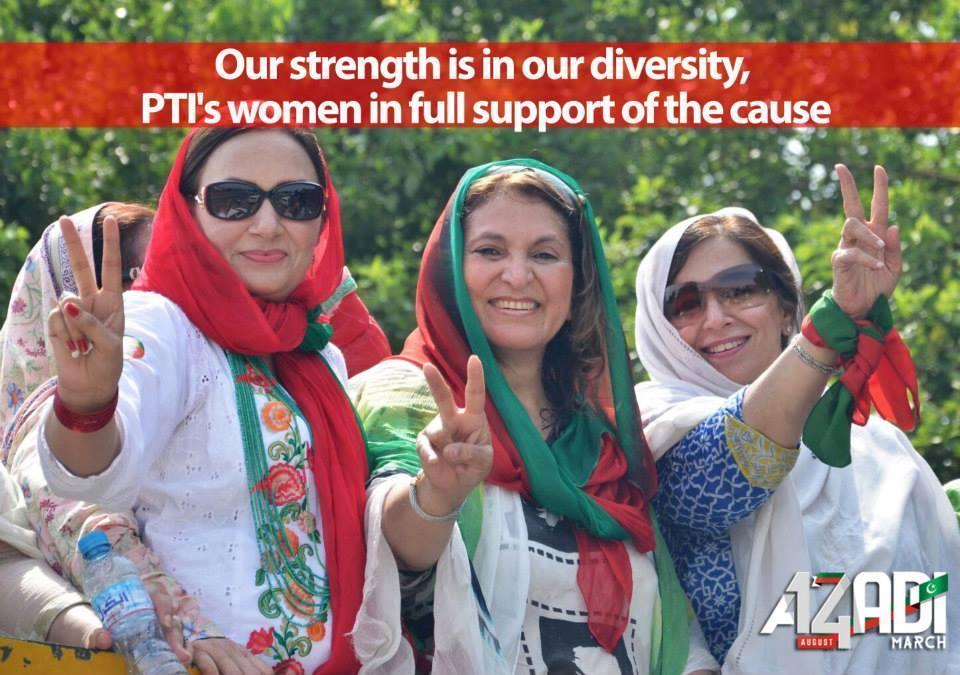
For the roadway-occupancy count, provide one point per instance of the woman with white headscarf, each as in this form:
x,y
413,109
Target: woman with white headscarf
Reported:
x,y
38,532
744,505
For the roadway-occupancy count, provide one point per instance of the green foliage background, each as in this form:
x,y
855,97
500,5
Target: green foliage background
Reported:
x,y
393,184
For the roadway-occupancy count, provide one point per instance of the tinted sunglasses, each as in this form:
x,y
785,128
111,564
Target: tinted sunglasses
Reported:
x,y
737,287
239,199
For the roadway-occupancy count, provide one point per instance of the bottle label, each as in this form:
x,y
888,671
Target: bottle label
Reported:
x,y
121,600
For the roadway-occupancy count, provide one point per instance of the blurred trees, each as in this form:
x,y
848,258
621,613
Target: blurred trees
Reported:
x,y
393,183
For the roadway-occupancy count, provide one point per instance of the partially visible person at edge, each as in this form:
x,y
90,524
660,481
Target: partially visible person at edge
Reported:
x,y
36,603
531,468
210,401
744,503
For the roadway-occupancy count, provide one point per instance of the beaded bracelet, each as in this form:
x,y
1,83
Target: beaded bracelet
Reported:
x,y
85,423
415,505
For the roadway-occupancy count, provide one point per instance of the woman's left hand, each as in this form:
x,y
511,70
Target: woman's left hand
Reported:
x,y
867,261
220,656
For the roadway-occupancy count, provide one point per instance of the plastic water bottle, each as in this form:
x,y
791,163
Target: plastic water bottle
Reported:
x,y
120,598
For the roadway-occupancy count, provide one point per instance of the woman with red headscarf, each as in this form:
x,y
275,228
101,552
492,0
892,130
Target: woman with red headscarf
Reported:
x,y
212,402
512,406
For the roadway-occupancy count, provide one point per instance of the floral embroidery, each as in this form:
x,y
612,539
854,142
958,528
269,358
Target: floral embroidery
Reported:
x,y
255,378
317,630
41,349
276,416
260,640
285,484
18,306
299,600
14,395
284,646
306,521
288,667
48,509
291,543
295,597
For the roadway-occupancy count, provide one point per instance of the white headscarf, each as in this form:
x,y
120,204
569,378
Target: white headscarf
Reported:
x,y
679,372
886,512
24,364
46,274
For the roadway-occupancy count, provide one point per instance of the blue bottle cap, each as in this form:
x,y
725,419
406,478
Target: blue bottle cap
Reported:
x,y
93,544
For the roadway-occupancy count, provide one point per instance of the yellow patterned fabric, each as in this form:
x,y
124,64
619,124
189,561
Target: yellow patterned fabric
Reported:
x,y
763,463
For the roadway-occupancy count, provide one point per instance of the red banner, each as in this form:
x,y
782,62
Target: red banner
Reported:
x,y
518,85
821,642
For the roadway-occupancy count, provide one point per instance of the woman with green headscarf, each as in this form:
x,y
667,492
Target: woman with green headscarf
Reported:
x,y
532,447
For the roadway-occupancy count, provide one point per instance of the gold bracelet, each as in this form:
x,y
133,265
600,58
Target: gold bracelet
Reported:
x,y
415,505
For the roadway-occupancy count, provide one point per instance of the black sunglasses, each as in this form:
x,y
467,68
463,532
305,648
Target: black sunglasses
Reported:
x,y
239,199
738,287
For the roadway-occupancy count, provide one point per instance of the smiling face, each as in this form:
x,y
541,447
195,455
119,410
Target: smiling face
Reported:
x,y
270,254
739,342
518,268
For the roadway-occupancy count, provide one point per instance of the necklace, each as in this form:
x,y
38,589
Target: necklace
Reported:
x,y
290,580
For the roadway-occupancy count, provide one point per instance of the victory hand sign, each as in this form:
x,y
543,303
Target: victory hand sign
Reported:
x,y
455,450
867,261
86,335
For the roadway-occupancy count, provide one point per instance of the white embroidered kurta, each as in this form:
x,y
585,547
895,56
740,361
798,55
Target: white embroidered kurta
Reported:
x,y
182,470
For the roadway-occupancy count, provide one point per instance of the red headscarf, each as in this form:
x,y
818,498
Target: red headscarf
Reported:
x,y
358,335
183,265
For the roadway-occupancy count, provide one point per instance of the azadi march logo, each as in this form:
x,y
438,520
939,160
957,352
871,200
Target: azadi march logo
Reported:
x,y
902,605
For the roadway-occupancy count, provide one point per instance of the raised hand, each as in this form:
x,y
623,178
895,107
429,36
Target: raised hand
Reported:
x,y
455,450
86,332
867,261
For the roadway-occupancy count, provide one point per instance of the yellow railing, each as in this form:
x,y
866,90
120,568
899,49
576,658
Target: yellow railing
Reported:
x,y
43,658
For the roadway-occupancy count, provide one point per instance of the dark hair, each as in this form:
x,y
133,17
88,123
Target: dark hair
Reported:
x,y
755,242
208,139
575,357
136,224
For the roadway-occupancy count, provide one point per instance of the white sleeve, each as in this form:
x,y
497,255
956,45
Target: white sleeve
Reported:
x,y
157,391
337,363
698,656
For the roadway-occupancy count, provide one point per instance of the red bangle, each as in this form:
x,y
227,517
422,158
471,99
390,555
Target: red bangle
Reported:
x,y
85,423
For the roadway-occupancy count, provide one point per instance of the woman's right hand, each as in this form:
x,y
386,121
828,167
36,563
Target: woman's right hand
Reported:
x,y
455,449
867,261
86,332
222,656
166,607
